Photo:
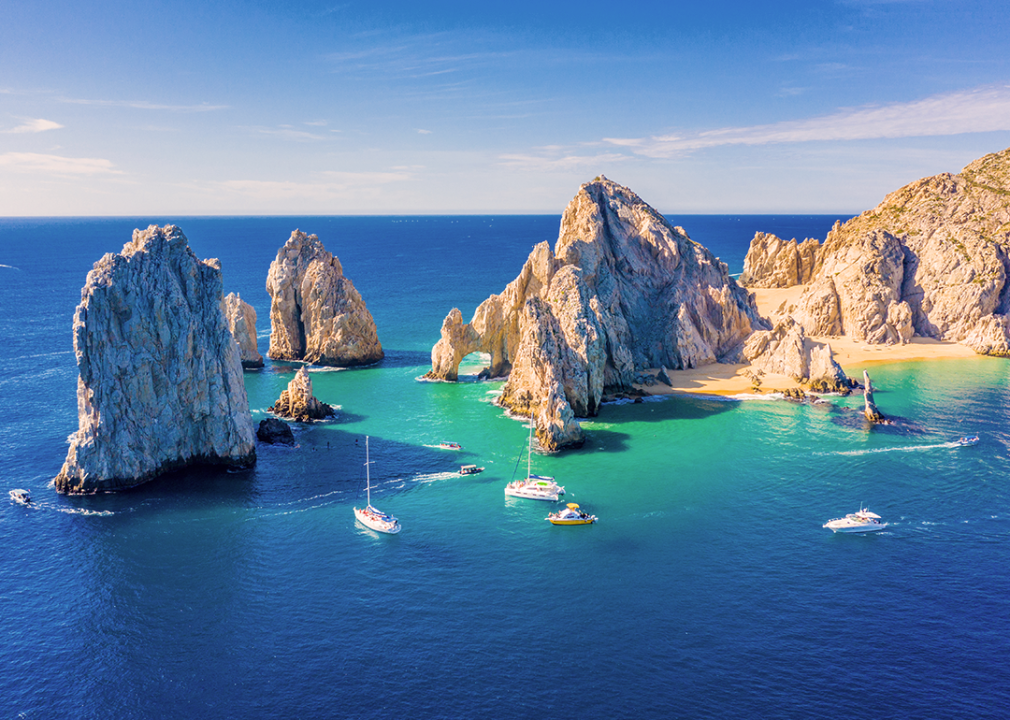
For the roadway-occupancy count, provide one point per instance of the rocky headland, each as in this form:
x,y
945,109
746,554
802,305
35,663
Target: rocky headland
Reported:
x,y
931,260
622,290
242,322
298,403
160,384
316,314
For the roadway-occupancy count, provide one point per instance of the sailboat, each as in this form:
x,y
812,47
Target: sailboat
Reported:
x,y
534,487
369,516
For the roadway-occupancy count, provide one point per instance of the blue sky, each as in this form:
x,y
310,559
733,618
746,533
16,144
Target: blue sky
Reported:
x,y
229,107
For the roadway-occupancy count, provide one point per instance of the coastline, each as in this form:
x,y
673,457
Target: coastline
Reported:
x,y
722,379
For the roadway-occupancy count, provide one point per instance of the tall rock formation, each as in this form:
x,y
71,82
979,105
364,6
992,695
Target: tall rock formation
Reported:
x,y
621,290
870,411
932,260
316,315
772,262
241,319
160,383
786,350
298,402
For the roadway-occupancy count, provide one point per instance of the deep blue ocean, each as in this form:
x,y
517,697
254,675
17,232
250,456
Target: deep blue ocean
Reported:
x,y
708,589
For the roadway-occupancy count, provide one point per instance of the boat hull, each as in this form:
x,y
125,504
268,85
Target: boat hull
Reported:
x,y
377,524
857,529
531,494
580,521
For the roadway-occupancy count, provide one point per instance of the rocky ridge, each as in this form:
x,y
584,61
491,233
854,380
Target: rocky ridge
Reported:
x,y
622,290
160,384
316,314
931,260
241,319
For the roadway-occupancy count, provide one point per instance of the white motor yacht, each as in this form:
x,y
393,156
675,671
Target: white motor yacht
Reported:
x,y
863,521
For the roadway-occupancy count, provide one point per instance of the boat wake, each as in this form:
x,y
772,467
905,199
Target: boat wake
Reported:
x,y
876,451
434,477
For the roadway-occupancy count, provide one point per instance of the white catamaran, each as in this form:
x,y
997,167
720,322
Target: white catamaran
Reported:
x,y
534,487
369,516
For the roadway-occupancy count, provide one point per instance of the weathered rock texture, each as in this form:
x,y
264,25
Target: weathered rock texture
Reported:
x,y
242,322
298,403
869,407
160,383
772,262
931,260
786,350
316,315
622,290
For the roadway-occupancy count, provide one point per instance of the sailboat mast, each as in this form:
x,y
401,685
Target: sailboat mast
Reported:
x,y
529,452
368,477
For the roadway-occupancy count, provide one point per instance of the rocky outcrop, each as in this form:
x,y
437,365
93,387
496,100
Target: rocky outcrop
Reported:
x,y
772,262
241,319
160,383
622,290
873,415
298,403
275,432
316,315
786,350
931,260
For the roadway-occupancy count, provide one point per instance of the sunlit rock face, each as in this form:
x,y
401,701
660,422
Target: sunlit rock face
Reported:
x,y
242,322
316,315
931,260
160,383
621,290
298,403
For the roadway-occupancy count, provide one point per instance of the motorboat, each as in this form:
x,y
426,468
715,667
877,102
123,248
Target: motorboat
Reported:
x,y
966,440
21,496
862,521
534,487
571,515
450,446
470,469
369,516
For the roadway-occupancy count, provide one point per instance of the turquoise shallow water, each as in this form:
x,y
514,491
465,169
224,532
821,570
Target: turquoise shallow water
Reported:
x,y
707,589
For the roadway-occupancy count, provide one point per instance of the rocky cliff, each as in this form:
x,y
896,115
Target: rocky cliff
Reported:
x,y
298,402
622,290
316,314
160,383
241,319
932,260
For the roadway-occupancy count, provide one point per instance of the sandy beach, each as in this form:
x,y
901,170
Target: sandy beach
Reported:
x,y
720,379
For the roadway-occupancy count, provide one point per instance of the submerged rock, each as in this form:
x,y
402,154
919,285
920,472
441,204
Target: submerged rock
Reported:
x,y
316,314
160,384
298,403
622,291
275,432
242,322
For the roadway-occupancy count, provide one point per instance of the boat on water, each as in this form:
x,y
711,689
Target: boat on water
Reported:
x,y
571,515
369,516
450,446
534,487
862,521
21,496
966,440
470,469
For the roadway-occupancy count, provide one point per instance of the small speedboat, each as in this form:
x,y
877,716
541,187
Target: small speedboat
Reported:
x,y
863,521
450,446
571,515
21,496
535,487
470,469
966,440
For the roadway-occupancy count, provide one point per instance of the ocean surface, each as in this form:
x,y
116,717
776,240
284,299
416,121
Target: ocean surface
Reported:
x,y
708,589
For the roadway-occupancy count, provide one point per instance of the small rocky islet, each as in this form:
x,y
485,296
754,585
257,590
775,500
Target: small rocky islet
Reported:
x,y
160,351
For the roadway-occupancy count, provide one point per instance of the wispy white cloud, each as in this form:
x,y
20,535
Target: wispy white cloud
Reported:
x,y
33,125
326,186
145,105
423,132
546,163
286,132
56,164
971,111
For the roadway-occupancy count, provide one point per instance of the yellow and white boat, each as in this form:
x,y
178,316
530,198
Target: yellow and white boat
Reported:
x,y
571,515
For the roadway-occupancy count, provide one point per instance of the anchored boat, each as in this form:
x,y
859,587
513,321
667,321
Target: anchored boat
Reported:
x,y
863,521
534,487
369,516
571,515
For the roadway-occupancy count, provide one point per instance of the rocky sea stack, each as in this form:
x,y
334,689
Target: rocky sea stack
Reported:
x,y
316,315
298,403
622,290
932,259
242,322
160,383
